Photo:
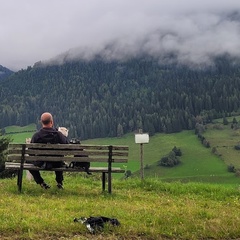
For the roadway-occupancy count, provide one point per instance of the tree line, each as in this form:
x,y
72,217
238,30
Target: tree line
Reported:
x,y
106,99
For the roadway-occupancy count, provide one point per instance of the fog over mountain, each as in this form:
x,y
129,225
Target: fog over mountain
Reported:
x,y
194,32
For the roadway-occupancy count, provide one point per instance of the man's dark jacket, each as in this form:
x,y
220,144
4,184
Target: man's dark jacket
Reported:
x,y
49,135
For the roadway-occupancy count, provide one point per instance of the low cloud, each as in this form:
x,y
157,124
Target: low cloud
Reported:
x,y
194,32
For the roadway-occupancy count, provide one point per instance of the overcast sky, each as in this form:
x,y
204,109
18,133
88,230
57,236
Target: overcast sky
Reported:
x,y
195,31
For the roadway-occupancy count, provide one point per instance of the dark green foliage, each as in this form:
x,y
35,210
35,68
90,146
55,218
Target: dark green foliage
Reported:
x,y
206,143
177,151
199,129
201,137
231,168
4,72
214,150
235,121
119,130
3,147
2,131
171,159
235,124
104,99
127,174
147,166
225,121
237,147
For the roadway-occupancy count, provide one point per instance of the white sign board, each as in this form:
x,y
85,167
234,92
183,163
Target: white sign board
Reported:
x,y
141,138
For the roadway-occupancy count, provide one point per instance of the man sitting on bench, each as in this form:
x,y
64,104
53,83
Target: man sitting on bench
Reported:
x,y
48,134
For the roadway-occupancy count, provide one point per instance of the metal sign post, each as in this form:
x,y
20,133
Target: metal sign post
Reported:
x,y
141,138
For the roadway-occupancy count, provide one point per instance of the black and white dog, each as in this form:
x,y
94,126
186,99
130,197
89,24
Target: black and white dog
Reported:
x,y
95,224
81,165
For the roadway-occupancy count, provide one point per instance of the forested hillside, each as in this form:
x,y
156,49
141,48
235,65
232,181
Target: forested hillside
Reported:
x,y
98,99
4,72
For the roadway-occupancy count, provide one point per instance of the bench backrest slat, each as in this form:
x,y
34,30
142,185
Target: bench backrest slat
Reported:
x,y
67,146
67,152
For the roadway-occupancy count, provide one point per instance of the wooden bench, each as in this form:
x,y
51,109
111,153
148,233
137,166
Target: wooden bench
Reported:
x,y
20,154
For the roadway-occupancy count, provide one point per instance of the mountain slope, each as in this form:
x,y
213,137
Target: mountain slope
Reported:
x,y
99,99
4,72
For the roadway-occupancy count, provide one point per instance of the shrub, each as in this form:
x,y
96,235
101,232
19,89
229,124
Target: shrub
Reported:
x,y
170,160
147,166
214,150
231,168
206,143
200,128
127,174
4,141
237,147
177,151
225,121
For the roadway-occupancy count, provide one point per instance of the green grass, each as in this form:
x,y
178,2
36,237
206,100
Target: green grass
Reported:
x,y
197,162
197,199
224,139
148,209
17,129
19,134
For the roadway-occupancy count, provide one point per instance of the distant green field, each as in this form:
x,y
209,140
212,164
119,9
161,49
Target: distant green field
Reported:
x,y
225,139
17,129
19,134
198,164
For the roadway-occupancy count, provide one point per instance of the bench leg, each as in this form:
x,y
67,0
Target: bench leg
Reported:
x,y
103,181
109,182
19,180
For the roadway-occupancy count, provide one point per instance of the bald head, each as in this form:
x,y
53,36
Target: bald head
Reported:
x,y
47,119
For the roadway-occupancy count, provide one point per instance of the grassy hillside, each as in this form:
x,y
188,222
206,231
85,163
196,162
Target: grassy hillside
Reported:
x,y
224,138
149,209
197,162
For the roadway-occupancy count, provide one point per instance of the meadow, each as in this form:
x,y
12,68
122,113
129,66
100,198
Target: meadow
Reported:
x,y
198,164
198,199
224,139
148,209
